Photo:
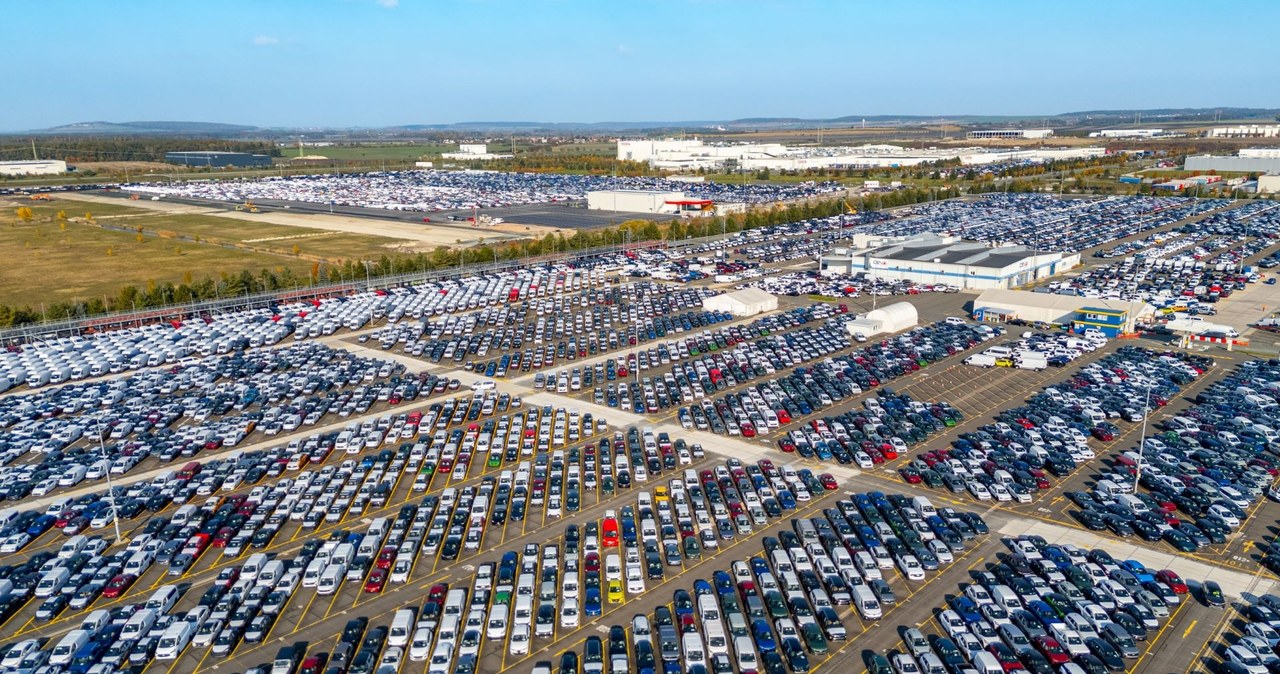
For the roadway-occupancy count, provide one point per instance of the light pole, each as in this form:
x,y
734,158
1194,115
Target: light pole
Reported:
x,y
1142,443
111,491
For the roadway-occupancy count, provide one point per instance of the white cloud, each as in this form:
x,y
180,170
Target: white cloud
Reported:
x,y
625,49
389,4
266,40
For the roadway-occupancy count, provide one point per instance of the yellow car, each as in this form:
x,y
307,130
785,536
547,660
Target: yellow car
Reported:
x,y
1004,362
615,592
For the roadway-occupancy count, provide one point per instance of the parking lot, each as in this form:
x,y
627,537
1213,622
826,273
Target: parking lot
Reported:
x,y
374,448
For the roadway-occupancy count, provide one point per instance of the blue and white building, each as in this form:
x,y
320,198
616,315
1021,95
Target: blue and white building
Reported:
x,y
932,259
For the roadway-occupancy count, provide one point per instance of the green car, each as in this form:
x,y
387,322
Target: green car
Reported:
x,y
495,459
877,664
813,638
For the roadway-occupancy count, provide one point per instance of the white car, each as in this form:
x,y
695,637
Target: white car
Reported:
x,y
569,613
420,644
519,641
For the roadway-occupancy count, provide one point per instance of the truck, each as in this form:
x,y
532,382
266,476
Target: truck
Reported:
x,y
981,360
1031,361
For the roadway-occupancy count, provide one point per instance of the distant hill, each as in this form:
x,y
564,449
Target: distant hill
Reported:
x,y
1084,119
146,129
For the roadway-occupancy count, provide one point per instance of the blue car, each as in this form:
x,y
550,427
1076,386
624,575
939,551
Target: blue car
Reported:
x,y
764,635
967,609
1138,570
591,603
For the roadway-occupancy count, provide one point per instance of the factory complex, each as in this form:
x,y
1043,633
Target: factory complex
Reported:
x,y
694,154
934,259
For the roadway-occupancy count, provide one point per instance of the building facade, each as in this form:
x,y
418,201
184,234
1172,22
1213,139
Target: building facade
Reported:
x,y
33,167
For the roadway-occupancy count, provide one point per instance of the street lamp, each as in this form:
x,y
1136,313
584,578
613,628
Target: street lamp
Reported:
x,y
111,491
1142,443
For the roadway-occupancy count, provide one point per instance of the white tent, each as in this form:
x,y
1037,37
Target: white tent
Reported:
x,y
893,318
745,302
896,317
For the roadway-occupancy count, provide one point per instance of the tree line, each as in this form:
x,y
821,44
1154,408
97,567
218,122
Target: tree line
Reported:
x,y
73,149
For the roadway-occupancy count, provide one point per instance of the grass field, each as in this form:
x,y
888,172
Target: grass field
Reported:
x,y
49,263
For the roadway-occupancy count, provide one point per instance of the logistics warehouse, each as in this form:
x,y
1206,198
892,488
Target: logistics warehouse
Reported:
x,y
932,259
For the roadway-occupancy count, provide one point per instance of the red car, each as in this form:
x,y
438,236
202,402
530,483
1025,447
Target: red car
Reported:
x,y
783,417
828,481
377,579
1173,580
1052,650
387,557
437,592
118,585
748,430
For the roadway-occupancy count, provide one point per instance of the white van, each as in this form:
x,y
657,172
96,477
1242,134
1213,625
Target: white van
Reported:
x,y
271,573
163,599
401,628
497,627
330,579
67,647
253,566
53,581
311,577
96,621
138,624
867,604
175,639
986,663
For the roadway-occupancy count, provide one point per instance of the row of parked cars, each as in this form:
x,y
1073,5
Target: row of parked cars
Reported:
x,y
840,286
1042,609
1202,470
690,381
1046,221
1037,351
1249,646
779,611
564,328
1013,458
57,360
820,385
83,431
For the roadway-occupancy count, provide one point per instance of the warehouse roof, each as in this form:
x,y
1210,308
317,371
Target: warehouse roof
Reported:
x,y
957,252
749,295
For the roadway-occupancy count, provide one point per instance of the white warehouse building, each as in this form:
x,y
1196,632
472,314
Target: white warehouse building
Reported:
x,y
635,201
33,167
745,302
896,317
932,259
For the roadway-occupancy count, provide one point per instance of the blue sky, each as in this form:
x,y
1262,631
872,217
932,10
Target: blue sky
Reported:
x,y
387,62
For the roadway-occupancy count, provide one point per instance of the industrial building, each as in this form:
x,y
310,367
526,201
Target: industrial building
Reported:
x,y
468,151
213,159
742,303
634,201
1112,317
932,259
1269,184
33,167
1030,134
1245,131
694,154
1127,133
893,318
1245,162
657,201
